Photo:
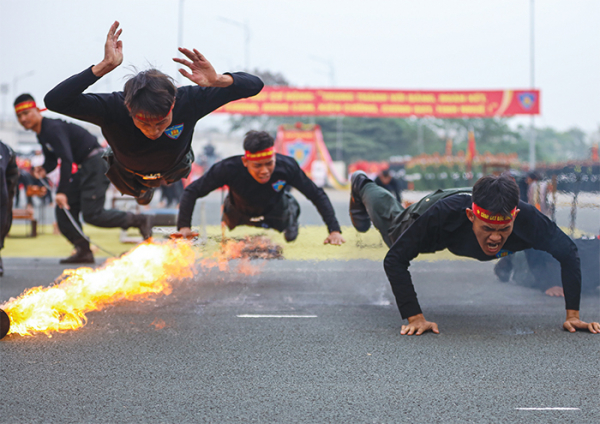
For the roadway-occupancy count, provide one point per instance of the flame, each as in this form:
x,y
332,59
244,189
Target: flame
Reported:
x,y
159,324
251,247
141,274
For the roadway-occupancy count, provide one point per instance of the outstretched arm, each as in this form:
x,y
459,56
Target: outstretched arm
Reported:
x,y
113,52
317,196
544,235
215,177
421,237
68,98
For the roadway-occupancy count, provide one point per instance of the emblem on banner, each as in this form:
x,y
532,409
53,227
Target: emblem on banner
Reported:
x,y
279,185
300,151
527,100
174,132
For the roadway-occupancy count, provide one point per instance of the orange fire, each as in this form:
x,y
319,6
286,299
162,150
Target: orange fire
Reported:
x,y
144,273
251,247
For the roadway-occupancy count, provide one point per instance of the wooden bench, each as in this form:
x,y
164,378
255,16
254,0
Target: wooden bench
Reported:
x,y
26,215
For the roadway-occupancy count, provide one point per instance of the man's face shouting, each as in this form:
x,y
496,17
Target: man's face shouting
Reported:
x,y
491,237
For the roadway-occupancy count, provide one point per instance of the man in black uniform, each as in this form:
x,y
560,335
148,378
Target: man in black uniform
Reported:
x,y
9,177
482,224
257,197
149,125
83,191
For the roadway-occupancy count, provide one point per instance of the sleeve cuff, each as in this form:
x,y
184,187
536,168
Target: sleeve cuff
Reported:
x,y
334,228
410,309
91,75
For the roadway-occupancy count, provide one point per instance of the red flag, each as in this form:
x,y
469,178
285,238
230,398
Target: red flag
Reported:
x,y
471,151
448,146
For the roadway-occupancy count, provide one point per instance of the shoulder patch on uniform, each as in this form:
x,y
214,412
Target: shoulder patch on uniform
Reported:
x,y
174,132
503,253
279,185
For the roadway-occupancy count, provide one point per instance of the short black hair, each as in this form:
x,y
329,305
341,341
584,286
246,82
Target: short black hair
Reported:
x,y
255,141
25,97
498,194
385,173
151,91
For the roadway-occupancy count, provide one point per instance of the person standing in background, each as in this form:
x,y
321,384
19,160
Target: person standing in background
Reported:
x,y
9,179
385,180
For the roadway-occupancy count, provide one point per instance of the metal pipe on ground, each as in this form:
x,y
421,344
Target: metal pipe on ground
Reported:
x,y
4,324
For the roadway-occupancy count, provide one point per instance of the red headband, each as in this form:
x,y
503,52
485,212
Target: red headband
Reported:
x,y
490,218
142,116
260,155
27,104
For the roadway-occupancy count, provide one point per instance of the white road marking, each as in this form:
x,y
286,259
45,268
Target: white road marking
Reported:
x,y
276,316
549,409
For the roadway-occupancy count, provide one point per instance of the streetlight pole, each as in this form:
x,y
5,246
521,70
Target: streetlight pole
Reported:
x,y
532,82
329,64
339,142
179,37
246,28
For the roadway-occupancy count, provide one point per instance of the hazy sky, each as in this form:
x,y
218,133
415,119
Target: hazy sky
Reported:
x,y
395,44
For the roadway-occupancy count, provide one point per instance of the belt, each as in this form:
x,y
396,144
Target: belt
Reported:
x,y
149,176
156,176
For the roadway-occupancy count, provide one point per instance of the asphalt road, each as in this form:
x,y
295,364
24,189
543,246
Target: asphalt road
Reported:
x,y
501,348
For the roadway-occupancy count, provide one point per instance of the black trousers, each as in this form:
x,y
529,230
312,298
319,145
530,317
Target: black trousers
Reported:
x,y
6,205
127,182
9,177
284,213
86,196
383,209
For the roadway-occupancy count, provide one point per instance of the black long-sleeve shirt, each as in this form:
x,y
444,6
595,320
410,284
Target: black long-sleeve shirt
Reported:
x,y
130,146
445,226
251,197
65,141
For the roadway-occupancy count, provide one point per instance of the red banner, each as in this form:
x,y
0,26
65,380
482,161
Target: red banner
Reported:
x,y
287,101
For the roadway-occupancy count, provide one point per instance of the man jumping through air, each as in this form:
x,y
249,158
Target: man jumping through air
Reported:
x,y
149,125
257,197
485,223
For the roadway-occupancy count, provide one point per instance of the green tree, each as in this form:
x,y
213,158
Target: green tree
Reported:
x,y
378,138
